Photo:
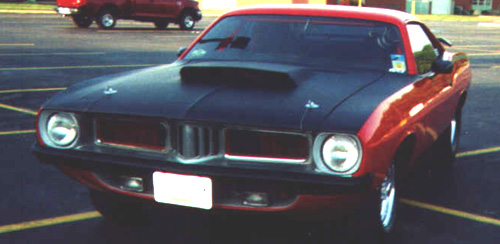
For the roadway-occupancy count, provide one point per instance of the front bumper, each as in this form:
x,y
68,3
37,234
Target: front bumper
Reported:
x,y
67,11
295,192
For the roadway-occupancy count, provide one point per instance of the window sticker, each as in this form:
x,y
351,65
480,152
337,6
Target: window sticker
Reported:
x,y
398,63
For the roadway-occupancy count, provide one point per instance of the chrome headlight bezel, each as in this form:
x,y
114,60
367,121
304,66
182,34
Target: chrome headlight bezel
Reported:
x,y
49,119
325,140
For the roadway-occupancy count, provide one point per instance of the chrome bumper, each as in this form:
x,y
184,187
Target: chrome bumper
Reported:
x,y
66,11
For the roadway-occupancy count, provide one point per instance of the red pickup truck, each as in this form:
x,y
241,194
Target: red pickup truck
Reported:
x,y
185,13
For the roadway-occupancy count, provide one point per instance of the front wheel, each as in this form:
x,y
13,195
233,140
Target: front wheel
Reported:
x,y
447,143
388,200
82,21
106,19
374,221
186,21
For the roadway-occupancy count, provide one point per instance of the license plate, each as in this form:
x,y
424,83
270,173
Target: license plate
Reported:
x,y
183,190
63,10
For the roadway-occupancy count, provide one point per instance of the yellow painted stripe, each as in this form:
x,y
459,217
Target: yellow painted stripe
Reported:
x,y
478,152
17,44
16,132
495,67
52,54
48,222
78,67
33,90
22,110
484,54
449,211
464,46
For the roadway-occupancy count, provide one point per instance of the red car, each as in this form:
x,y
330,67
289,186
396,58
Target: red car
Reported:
x,y
185,13
289,109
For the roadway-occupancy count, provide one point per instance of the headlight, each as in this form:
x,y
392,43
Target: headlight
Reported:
x,y
59,130
340,153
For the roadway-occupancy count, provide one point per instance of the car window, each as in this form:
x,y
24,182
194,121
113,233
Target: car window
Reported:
x,y
423,50
320,42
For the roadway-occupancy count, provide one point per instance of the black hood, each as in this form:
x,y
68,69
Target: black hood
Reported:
x,y
207,93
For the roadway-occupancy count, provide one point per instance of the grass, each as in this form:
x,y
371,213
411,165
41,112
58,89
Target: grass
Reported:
x,y
27,6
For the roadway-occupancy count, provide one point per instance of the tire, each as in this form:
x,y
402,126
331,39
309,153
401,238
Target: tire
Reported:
x,y
447,143
186,21
106,19
387,203
161,24
82,21
374,222
118,208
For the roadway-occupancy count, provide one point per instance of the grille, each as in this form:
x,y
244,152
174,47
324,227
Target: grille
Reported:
x,y
137,134
274,146
196,141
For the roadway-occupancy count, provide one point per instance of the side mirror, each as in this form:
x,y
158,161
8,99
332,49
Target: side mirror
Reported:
x,y
445,41
181,51
441,66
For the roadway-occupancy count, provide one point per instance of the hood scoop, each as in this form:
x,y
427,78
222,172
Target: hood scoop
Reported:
x,y
244,74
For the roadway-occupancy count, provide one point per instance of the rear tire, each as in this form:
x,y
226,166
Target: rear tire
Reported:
x,y
118,208
106,19
186,21
161,24
82,21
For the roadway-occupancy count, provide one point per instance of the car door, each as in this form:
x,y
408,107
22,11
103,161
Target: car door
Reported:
x,y
432,89
157,8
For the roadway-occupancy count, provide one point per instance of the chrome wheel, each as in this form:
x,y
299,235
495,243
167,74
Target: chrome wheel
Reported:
x,y
387,200
453,135
107,20
189,21
186,21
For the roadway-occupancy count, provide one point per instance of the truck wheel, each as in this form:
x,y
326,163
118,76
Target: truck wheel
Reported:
x,y
161,24
186,21
82,21
106,19
118,208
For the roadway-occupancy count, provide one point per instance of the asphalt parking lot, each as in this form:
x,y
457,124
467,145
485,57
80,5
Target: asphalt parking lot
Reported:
x,y
43,54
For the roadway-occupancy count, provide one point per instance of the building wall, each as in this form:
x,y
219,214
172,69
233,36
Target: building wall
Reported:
x,y
466,4
392,4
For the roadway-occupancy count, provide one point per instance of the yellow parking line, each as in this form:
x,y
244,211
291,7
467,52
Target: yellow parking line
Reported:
x,y
78,67
16,132
478,152
484,54
49,222
456,213
22,110
33,90
17,44
51,54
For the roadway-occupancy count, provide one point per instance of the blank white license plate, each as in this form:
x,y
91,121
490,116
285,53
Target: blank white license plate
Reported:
x,y
183,190
63,10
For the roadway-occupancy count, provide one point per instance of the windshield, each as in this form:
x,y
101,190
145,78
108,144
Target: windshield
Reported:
x,y
321,42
